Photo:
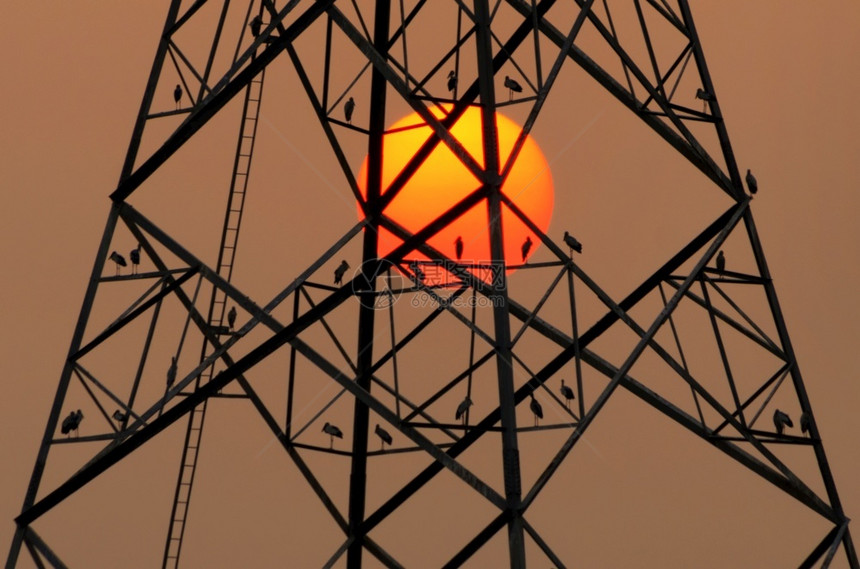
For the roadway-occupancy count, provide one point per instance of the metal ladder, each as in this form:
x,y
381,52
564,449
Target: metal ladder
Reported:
x,y
215,319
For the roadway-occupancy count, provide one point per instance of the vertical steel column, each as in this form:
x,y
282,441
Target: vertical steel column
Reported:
x,y
62,388
800,389
499,294
366,316
151,84
705,76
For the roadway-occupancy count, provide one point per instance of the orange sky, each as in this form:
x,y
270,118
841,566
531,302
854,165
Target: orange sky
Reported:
x,y
73,77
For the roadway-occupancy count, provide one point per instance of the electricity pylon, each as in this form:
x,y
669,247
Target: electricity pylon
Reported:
x,y
647,55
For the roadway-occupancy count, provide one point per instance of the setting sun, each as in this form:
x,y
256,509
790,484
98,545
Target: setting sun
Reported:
x,y
443,180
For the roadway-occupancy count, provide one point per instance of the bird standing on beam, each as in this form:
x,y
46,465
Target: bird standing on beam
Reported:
x,y
134,256
527,246
452,80
340,271
231,317
721,262
572,243
513,87
462,410
72,422
177,95
536,409
567,393
348,109
705,97
458,247
171,372
781,420
752,184
805,423
118,259
384,437
256,25
332,431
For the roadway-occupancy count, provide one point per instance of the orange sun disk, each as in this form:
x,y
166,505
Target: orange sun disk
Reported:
x,y
442,181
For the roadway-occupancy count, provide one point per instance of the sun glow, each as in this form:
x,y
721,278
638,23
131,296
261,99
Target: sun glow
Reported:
x,y
442,181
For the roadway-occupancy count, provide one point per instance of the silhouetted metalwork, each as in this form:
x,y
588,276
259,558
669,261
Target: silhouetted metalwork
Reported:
x,y
368,369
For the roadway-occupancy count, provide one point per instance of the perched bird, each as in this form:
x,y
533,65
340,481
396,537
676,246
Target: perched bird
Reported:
x,y
134,256
72,422
567,393
705,97
171,372
781,420
177,95
118,259
462,408
383,435
340,271
452,80
119,416
348,108
332,432
752,184
536,408
804,423
458,247
231,317
513,87
255,25
527,246
571,242
721,262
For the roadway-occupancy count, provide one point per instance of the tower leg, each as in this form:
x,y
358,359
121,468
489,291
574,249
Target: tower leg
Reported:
x,y
366,318
59,398
499,295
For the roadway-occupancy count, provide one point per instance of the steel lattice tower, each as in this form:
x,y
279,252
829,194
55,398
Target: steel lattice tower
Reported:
x,y
647,55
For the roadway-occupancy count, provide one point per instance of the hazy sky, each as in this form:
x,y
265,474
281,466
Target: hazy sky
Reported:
x,y
74,74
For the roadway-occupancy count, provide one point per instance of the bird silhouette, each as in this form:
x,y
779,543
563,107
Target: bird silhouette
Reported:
x,y
571,242
452,80
171,372
705,97
340,271
721,262
348,108
384,436
72,422
462,408
332,432
118,259
119,416
527,246
458,247
805,424
536,409
255,25
752,184
177,95
134,256
231,317
781,420
513,87
567,393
